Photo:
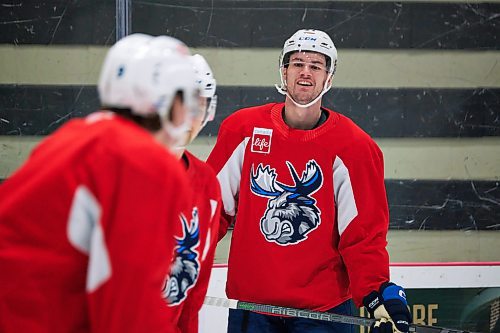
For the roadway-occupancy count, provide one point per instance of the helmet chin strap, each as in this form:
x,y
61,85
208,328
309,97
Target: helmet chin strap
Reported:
x,y
326,87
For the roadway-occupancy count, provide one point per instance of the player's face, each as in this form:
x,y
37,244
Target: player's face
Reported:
x,y
198,120
305,76
179,121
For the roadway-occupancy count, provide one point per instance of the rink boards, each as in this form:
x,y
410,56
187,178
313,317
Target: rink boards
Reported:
x,y
455,295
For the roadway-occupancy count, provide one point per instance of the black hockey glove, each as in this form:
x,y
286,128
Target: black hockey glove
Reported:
x,y
390,308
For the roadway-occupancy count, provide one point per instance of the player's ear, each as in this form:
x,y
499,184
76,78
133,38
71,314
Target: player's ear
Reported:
x,y
177,112
284,74
330,79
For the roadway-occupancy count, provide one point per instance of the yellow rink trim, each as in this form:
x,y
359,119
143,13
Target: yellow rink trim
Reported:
x,y
423,246
80,65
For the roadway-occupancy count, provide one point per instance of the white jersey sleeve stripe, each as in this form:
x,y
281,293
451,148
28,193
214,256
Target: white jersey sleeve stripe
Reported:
x,y
86,235
208,242
213,206
229,177
99,270
344,195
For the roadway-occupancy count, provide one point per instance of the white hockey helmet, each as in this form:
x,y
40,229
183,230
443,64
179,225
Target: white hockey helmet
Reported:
x,y
115,80
206,84
205,80
144,73
313,41
309,40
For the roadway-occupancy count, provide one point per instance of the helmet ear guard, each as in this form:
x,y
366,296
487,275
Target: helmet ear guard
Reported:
x,y
206,85
211,109
308,40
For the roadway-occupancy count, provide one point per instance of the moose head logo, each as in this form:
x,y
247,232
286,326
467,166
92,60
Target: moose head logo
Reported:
x,y
291,211
185,268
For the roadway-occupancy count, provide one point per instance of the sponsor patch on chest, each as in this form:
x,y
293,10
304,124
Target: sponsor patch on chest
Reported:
x,y
261,140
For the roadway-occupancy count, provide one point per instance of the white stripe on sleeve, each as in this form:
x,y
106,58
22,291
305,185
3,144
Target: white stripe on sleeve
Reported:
x,y
85,234
213,205
344,196
229,178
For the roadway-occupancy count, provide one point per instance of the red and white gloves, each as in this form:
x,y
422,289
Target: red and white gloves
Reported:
x,y
389,307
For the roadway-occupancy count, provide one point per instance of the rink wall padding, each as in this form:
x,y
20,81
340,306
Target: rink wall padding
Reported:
x,y
382,113
453,295
442,205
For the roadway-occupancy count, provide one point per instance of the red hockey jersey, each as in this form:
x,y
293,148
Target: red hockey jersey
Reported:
x,y
85,229
196,238
310,206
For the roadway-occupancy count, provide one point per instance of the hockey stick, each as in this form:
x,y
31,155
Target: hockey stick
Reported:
x,y
338,318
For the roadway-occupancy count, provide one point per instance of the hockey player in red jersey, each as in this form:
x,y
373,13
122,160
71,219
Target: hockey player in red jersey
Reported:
x,y
306,188
187,283
88,220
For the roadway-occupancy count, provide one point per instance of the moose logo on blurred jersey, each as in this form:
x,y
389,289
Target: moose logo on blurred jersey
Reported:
x,y
185,268
291,211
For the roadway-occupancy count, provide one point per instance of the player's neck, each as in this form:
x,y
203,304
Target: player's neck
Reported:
x,y
184,160
301,118
178,152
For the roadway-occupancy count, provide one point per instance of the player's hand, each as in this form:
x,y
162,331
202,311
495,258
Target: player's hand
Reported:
x,y
389,307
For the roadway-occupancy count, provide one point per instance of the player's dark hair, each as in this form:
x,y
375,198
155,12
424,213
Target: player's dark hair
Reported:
x,y
151,122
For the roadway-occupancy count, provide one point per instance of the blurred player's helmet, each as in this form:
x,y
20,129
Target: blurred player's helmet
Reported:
x,y
144,73
205,79
309,40
206,84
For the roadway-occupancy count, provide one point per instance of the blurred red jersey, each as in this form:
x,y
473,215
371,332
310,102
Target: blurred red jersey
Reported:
x,y
85,229
196,239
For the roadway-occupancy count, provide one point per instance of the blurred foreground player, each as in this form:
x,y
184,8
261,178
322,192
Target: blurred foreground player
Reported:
x,y
187,283
87,221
